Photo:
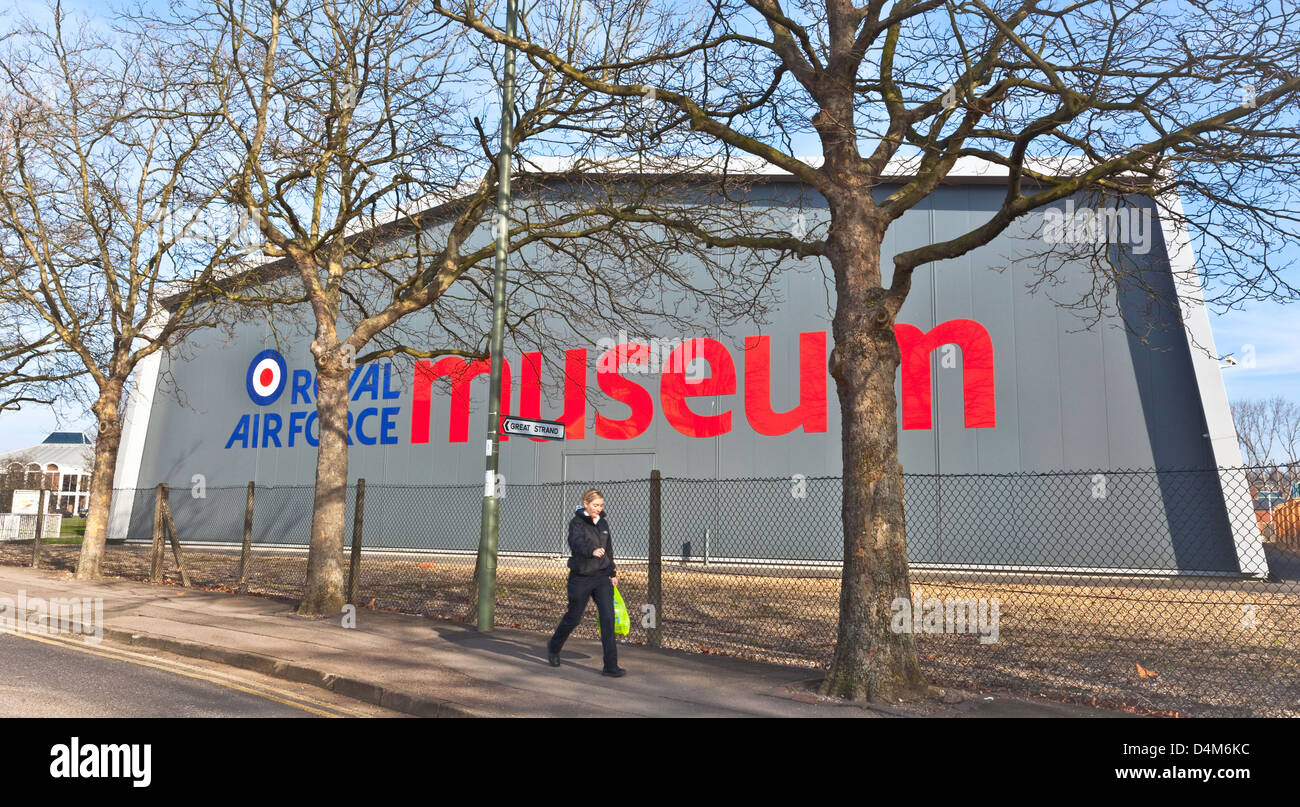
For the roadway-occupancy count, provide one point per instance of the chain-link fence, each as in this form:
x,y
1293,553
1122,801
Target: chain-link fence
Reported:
x,y
1164,591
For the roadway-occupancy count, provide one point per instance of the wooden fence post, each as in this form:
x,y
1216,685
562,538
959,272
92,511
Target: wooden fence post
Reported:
x,y
246,548
654,587
40,530
175,538
354,566
156,562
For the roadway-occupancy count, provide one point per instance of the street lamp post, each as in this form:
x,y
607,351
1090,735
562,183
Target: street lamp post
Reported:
x,y
487,544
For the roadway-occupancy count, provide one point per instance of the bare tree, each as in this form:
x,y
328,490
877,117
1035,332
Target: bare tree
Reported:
x,y
364,163
35,366
1110,97
1268,430
97,197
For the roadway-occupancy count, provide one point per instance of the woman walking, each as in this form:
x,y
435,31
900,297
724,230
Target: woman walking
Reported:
x,y
591,575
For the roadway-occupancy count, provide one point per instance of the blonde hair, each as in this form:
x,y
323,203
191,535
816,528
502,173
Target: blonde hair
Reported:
x,y
591,496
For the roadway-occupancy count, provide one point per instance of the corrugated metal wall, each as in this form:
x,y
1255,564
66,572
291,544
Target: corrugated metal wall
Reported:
x,y
1068,397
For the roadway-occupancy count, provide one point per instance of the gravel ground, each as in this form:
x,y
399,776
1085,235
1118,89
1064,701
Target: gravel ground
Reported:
x,y
1172,646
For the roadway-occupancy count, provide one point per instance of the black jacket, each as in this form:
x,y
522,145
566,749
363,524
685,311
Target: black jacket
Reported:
x,y
584,538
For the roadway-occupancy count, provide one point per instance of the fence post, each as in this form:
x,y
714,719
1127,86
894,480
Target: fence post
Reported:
x,y
354,565
175,538
156,563
40,530
247,547
654,587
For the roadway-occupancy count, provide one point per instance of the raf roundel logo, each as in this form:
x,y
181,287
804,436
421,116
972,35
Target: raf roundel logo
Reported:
x,y
265,379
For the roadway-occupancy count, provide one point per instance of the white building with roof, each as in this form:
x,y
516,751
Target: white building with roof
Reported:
x,y
65,460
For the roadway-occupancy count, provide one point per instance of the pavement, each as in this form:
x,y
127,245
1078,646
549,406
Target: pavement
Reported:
x,y
433,668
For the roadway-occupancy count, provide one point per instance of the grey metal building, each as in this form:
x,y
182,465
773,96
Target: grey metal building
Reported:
x,y
1029,440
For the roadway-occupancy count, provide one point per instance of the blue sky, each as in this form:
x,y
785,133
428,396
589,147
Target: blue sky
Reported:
x,y
1273,331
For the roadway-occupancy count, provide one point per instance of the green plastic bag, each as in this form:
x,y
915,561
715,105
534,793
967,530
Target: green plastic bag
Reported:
x,y
622,622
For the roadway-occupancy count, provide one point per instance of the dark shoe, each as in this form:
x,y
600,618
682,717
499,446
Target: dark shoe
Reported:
x,y
553,658
617,672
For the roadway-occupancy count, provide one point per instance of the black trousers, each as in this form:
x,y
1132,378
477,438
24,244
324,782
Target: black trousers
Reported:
x,y
599,588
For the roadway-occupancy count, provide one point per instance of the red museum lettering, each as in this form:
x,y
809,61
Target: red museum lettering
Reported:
x,y
676,387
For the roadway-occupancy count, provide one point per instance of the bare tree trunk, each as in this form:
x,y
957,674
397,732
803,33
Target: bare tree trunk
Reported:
x,y
107,409
324,591
871,662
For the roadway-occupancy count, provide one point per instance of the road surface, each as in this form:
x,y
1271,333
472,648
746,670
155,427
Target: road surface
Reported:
x,y
64,676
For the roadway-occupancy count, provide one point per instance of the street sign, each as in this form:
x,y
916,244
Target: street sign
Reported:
x,y
25,502
528,427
